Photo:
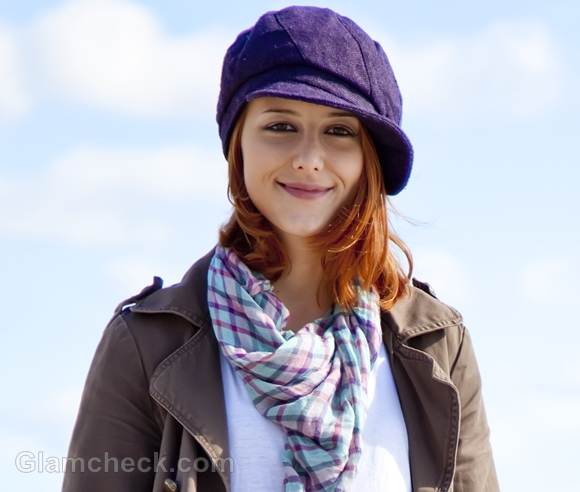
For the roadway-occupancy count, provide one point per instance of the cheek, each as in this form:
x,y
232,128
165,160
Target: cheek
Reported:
x,y
253,163
257,172
350,174
352,170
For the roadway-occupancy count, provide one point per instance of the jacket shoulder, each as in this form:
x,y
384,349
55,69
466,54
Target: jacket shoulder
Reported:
x,y
437,313
146,291
421,312
157,333
432,325
424,286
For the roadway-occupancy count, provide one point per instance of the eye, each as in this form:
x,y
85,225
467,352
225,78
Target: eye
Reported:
x,y
342,130
347,131
278,125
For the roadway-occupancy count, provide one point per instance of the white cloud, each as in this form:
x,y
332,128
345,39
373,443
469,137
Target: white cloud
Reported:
x,y
96,195
58,408
168,173
531,429
33,452
508,68
444,273
115,54
551,281
14,100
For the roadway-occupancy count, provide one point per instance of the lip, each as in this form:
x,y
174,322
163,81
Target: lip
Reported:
x,y
306,187
307,194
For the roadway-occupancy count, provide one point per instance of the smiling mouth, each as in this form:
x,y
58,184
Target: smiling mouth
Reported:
x,y
300,193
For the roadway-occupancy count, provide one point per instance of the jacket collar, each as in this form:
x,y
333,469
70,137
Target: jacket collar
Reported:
x,y
413,315
196,365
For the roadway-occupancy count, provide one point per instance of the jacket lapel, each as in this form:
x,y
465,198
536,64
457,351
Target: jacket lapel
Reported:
x,y
194,365
429,400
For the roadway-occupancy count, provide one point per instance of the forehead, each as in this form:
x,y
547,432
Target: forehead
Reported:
x,y
269,104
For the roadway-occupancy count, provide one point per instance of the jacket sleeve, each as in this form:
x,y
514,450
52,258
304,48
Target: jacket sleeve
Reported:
x,y
475,468
115,437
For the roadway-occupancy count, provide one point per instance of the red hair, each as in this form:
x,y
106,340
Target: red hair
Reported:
x,y
355,244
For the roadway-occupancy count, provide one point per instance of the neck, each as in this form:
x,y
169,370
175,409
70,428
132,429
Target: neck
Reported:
x,y
300,283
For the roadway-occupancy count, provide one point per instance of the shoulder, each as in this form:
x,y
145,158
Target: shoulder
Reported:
x,y
145,291
421,312
156,333
427,323
424,286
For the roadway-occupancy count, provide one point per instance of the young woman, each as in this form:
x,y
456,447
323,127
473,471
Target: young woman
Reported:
x,y
297,354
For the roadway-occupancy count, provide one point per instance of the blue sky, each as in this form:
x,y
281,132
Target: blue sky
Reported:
x,y
111,172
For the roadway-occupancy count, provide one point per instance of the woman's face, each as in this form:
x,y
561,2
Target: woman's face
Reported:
x,y
287,141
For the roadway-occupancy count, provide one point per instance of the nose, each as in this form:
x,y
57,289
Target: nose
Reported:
x,y
309,154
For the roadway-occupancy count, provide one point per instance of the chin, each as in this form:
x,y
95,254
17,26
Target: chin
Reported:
x,y
301,231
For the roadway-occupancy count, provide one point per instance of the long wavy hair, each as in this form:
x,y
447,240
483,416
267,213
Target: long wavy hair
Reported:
x,y
355,244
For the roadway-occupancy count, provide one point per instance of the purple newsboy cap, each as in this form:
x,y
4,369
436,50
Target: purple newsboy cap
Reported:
x,y
316,55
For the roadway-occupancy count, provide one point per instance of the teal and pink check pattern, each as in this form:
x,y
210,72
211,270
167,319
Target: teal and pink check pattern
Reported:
x,y
311,382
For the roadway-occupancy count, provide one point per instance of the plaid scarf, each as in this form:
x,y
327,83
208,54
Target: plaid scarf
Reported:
x,y
312,383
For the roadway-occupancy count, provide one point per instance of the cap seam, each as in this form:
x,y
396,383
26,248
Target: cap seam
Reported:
x,y
363,59
290,36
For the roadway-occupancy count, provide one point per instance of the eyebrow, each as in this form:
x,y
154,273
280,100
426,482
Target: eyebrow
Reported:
x,y
289,111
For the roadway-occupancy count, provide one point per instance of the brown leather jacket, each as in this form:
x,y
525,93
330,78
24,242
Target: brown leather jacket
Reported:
x,y
152,414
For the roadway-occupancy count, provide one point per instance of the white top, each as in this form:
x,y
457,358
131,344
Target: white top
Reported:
x,y
256,443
